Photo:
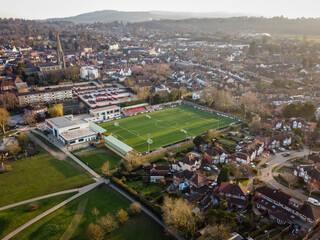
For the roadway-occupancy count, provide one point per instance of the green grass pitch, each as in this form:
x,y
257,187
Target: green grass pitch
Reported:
x,y
164,126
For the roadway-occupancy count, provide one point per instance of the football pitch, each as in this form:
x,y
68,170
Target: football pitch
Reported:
x,y
164,127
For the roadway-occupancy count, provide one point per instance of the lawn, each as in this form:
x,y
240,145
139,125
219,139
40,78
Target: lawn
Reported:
x,y
45,141
164,126
13,218
146,189
106,200
97,157
244,182
40,175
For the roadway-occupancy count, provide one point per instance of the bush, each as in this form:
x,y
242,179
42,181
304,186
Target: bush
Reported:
x,y
122,216
95,232
108,223
135,208
32,207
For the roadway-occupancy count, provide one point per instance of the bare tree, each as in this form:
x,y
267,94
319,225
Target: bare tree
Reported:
x,y
108,223
290,179
95,232
122,215
95,212
179,216
312,188
4,119
30,118
105,167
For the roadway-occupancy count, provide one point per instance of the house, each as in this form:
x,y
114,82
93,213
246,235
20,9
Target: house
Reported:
x,y
313,158
280,140
191,162
234,193
284,209
309,172
302,124
273,124
198,181
312,138
36,109
216,155
241,157
182,179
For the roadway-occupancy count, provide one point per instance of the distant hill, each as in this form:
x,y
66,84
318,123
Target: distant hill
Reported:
x,y
276,25
106,16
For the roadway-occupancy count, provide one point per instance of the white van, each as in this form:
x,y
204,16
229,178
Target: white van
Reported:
x,y
313,201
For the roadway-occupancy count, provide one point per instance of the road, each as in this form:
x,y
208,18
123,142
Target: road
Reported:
x,y
278,160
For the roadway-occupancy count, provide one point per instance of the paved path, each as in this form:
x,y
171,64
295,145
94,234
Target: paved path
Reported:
x,y
77,160
58,155
51,210
38,198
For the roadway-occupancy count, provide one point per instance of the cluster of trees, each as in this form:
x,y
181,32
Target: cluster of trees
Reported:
x,y
218,99
306,110
8,101
62,75
56,111
109,223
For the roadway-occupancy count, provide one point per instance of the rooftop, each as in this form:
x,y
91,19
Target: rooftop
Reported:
x,y
77,134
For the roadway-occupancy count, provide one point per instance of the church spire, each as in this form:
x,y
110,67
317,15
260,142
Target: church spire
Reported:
x,y
60,56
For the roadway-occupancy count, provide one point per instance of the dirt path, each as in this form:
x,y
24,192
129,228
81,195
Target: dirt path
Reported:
x,y
76,220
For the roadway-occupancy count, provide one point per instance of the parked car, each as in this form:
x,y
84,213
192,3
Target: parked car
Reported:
x,y
313,201
214,168
265,165
286,154
252,165
207,168
281,149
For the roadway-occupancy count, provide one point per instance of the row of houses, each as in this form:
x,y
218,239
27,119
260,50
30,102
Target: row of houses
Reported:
x,y
289,124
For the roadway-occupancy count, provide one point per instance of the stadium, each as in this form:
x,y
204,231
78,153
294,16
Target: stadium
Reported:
x,y
152,130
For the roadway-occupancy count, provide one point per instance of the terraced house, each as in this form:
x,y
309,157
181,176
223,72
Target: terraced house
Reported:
x,y
286,210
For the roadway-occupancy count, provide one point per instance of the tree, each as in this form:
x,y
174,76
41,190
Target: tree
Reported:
x,y
23,140
122,216
253,48
290,179
255,124
108,223
56,110
135,208
30,118
95,232
224,175
4,118
129,83
223,204
197,141
308,110
178,215
95,212
218,232
14,148
297,131
249,102
105,167
312,188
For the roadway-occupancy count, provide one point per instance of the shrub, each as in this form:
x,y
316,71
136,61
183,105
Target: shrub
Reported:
x,y
32,207
135,208
95,232
108,223
122,216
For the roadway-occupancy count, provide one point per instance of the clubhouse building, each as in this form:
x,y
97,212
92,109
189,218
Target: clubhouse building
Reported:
x,y
73,131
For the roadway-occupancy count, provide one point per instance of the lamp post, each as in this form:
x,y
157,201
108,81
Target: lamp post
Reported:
x,y
149,141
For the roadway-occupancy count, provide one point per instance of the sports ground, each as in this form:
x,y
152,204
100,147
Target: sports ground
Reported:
x,y
164,127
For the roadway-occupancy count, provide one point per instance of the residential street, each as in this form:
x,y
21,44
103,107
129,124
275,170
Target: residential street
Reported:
x,y
278,160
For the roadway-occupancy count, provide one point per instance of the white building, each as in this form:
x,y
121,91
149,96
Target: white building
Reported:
x,y
105,113
89,73
71,131
161,88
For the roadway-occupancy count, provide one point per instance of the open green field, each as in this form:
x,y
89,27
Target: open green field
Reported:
x,y
40,175
13,218
164,126
97,157
106,200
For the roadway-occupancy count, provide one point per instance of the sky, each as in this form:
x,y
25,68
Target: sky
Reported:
x,y
42,9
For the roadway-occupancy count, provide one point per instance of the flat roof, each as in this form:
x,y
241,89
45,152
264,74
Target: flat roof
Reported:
x,y
96,110
65,121
79,133
117,145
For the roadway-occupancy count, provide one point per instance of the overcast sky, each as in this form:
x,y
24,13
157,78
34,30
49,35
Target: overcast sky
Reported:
x,y
42,9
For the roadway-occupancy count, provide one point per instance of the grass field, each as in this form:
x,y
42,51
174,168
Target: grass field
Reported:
x,y
164,126
96,158
106,200
13,218
39,175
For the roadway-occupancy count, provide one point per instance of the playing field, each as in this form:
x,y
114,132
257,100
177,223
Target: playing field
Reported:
x,y
165,126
